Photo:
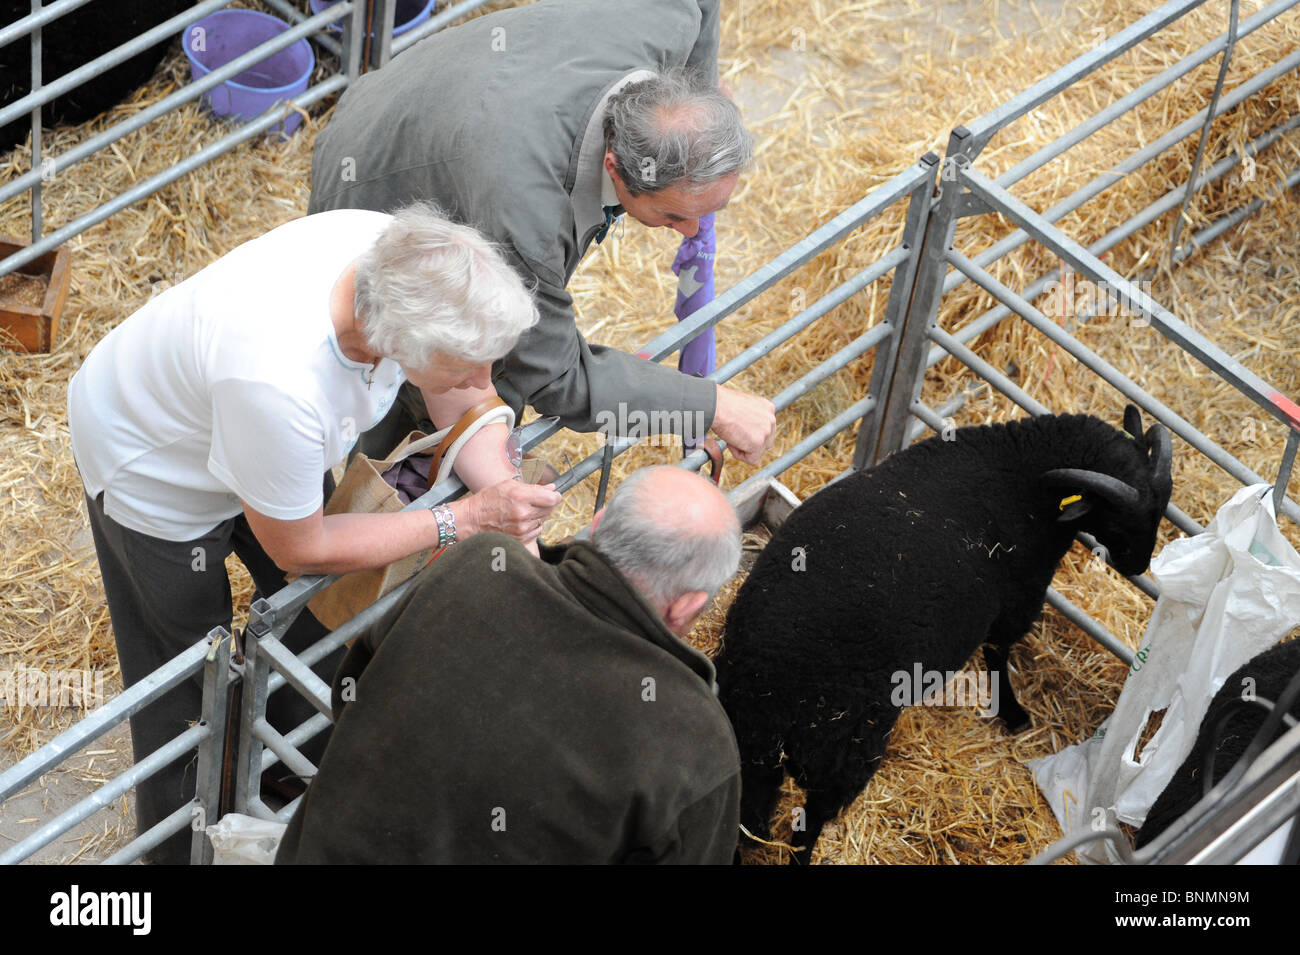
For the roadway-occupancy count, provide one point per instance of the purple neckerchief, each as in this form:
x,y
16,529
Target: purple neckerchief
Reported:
x,y
694,268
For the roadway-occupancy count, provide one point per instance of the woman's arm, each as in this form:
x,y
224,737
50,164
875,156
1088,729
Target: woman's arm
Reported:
x,y
341,543
482,461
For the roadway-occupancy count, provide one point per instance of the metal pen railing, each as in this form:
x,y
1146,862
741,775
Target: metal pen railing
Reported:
x,y
924,267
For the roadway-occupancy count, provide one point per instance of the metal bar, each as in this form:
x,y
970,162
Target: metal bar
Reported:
x,y
944,411
1226,824
300,734
37,56
207,784
102,719
933,419
1140,95
1170,198
354,41
1110,374
153,837
1210,117
1091,627
298,674
294,15
995,315
901,291
383,18
102,64
985,127
188,92
1226,222
837,362
288,755
782,265
606,463
285,813
21,28
920,315
831,300
812,442
986,371
248,777
435,23
151,185
1284,470
259,810
107,793
1131,163
1124,292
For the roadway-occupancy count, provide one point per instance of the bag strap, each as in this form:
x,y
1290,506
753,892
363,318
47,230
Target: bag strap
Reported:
x,y
418,446
488,411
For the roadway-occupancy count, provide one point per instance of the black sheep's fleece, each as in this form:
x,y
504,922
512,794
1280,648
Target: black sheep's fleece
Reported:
x,y
72,41
1268,673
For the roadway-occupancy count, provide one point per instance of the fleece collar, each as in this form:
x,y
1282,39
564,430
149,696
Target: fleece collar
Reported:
x,y
605,592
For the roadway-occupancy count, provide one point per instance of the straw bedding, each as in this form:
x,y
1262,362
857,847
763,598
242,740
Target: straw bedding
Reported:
x,y
841,97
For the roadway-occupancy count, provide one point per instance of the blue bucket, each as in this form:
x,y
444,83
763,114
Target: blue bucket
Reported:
x,y
227,34
409,14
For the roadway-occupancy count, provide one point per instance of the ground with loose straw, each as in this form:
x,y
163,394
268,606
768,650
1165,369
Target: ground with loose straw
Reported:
x,y
841,97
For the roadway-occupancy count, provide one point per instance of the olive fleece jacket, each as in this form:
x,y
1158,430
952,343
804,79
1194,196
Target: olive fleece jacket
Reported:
x,y
516,710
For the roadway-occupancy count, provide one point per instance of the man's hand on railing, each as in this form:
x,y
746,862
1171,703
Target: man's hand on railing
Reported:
x,y
746,422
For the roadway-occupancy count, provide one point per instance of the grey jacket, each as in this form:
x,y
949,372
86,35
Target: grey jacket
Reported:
x,y
498,120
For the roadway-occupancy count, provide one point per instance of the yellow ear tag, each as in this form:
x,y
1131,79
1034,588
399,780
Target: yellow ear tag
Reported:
x,y
1067,501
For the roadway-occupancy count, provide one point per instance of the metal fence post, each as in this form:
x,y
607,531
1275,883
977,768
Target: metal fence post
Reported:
x,y
36,127
912,339
380,50
207,788
354,39
900,298
248,782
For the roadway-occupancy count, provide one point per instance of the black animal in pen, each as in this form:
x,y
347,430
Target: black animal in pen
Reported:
x,y
943,547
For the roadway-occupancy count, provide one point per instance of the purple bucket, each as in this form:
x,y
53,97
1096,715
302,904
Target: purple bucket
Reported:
x,y
227,34
409,13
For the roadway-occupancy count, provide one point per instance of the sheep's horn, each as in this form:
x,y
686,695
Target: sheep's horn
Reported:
x,y
1111,488
1158,437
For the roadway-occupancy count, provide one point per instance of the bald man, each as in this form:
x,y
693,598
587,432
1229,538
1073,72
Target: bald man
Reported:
x,y
517,710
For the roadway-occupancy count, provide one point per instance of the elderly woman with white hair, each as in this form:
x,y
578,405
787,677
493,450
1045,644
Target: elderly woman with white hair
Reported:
x,y
208,421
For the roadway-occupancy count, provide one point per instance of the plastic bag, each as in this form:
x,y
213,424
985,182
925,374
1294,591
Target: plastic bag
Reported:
x,y
244,840
1225,596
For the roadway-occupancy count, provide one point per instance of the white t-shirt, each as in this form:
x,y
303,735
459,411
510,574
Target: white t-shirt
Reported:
x,y
230,387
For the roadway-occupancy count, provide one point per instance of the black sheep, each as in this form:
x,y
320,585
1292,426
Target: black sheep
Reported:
x,y
71,41
942,547
1265,677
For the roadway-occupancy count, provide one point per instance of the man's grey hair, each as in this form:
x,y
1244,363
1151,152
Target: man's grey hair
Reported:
x,y
662,557
430,286
675,129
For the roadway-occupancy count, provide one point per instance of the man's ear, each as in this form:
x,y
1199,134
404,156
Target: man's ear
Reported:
x,y
611,166
681,613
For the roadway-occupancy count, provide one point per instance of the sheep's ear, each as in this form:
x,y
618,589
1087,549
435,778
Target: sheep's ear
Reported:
x,y
1133,423
1073,507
